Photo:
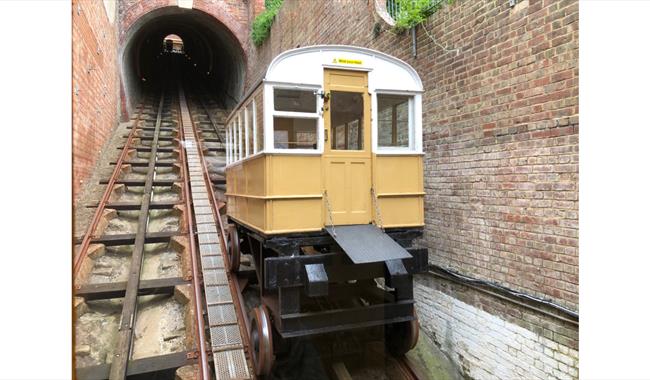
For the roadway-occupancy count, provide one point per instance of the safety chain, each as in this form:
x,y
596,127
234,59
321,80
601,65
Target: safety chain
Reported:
x,y
329,212
379,222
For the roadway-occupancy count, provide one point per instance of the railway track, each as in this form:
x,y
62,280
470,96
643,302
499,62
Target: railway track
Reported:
x,y
142,213
174,147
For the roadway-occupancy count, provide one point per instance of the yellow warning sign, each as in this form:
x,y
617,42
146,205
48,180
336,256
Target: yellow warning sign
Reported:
x,y
347,61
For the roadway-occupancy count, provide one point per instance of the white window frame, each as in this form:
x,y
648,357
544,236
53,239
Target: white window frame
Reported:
x,y
415,123
246,134
270,113
227,144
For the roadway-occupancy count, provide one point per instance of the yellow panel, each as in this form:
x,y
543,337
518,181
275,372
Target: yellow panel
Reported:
x,y
336,190
358,190
347,78
295,175
398,174
295,215
254,171
401,211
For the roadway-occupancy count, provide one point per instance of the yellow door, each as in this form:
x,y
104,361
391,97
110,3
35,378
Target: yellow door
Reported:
x,y
347,151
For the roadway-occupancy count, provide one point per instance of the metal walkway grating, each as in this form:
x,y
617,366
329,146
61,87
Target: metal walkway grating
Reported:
x,y
226,341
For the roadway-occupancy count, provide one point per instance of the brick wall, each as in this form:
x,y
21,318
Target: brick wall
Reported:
x,y
500,121
509,342
94,85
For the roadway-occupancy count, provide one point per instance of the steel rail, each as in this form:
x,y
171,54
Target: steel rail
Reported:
x,y
216,207
198,296
85,243
129,304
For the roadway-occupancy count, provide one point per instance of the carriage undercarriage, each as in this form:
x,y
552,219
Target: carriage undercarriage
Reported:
x,y
308,286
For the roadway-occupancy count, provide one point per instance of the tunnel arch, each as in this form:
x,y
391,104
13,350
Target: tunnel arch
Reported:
x,y
215,59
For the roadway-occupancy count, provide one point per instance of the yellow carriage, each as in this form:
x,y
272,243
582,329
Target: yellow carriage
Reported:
x,y
325,193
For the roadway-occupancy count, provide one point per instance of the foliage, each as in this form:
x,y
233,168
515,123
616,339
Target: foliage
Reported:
x,y
261,27
410,13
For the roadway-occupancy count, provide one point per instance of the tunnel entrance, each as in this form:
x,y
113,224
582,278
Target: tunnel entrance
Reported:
x,y
173,44
188,44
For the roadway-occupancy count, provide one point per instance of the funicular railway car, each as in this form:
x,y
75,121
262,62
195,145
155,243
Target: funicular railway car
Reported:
x,y
325,193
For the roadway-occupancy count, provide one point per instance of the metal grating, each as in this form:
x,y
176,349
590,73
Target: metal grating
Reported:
x,y
222,315
217,294
212,262
230,365
215,277
225,337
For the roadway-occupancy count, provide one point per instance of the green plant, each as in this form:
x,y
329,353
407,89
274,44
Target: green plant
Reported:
x,y
409,13
261,27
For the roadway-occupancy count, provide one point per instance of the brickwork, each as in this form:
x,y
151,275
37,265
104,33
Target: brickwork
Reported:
x,y
95,86
500,121
500,130
494,346
231,13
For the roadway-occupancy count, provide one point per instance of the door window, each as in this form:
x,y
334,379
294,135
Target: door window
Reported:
x,y
347,120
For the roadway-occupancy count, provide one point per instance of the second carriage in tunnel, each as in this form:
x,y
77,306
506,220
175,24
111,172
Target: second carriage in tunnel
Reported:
x,y
325,196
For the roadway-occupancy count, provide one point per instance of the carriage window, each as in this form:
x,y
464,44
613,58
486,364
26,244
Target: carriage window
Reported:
x,y
295,119
294,100
294,133
250,131
257,106
347,120
393,120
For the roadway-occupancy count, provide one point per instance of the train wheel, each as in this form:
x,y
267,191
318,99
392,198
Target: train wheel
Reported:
x,y
403,336
261,339
234,252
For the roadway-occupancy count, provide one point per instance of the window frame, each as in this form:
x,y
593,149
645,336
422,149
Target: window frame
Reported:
x,y
414,125
271,113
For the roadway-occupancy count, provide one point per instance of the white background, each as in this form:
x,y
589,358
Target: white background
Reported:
x,y
36,190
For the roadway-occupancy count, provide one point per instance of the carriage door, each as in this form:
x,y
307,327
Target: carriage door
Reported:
x,y
347,148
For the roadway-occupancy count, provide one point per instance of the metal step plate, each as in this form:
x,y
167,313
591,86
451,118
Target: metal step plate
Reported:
x,y
365,243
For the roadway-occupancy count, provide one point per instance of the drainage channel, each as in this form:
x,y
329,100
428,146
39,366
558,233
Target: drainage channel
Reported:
x,y
135,272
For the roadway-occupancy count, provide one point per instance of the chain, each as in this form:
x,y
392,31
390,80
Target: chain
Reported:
x,y
329,212
375,201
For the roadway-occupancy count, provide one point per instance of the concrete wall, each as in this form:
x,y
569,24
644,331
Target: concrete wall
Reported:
x,y
95,85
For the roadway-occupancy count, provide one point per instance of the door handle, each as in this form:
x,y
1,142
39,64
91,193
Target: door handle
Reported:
x,y
326,134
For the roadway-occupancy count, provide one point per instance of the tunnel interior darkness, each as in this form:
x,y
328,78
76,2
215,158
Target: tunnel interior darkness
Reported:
x,y
212,58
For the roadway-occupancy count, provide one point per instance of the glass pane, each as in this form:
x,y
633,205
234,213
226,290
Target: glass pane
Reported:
x,y
290,133
294,100
249,128
347,120
393,120
260,125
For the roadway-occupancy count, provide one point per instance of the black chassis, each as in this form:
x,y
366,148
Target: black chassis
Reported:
x,y
322,290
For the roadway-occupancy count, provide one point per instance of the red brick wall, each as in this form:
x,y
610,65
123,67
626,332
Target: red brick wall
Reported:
x,y
94,86
500,129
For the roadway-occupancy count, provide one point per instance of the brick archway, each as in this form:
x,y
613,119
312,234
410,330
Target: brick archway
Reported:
x,y
232,14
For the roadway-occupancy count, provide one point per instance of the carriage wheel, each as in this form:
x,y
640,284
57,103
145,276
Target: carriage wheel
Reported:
x,y
234,252
261,340
403,336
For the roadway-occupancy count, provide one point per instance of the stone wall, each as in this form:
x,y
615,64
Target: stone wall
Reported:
x,y
95,85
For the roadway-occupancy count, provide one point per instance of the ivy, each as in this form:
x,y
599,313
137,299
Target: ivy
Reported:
x,y
261,27
409,13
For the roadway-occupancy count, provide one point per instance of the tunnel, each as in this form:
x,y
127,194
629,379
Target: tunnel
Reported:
x,y
211,60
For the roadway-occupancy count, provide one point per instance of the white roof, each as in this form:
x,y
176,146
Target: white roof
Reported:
x,y
305,66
